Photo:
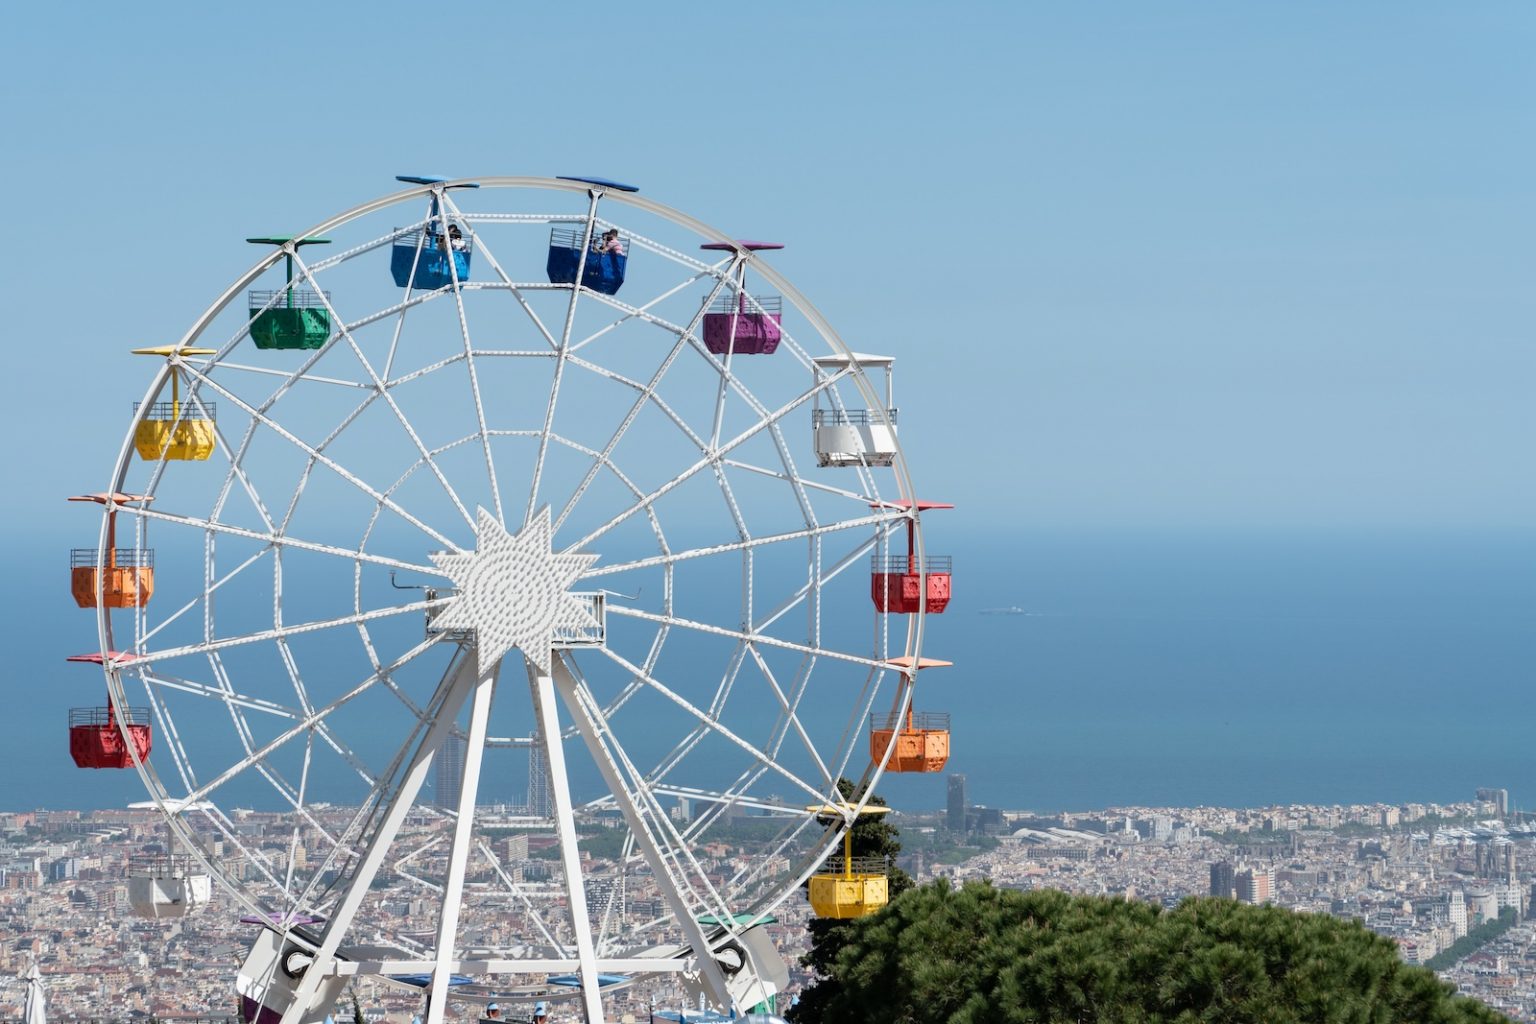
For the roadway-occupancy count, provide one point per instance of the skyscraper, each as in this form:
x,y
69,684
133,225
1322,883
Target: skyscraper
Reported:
x,y
539,800
1223,880
956,819
1256,885
449,778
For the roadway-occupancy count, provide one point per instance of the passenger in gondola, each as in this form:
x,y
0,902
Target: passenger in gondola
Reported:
x,y
456,238
541,1013
611,244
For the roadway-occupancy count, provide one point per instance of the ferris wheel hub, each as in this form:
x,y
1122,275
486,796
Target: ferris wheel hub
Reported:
x,y
514,591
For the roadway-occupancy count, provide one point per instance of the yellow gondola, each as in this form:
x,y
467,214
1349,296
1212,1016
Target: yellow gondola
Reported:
x,y
169,430
849,886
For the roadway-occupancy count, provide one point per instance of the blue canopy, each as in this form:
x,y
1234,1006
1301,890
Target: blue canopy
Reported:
x,y
431,179
574,981
604,182
423,980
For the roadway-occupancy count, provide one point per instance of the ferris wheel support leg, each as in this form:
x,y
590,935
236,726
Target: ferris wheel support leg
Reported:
x,y
559,784
460,676
591,729
458,859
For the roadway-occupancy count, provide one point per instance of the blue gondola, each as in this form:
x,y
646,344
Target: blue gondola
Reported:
x,y
432,267
604,271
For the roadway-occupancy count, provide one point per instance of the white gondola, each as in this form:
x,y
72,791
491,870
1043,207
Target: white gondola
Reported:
x,y
853,437
167,886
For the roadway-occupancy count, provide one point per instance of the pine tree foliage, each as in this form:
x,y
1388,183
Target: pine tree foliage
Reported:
x,y
978,955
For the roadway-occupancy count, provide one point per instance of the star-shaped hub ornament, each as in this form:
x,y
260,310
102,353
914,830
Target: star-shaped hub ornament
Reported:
x,y
514,591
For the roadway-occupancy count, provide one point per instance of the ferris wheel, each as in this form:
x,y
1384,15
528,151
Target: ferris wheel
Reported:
x,y
530,562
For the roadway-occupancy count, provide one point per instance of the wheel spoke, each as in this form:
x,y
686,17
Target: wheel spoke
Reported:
x,y
389,399
647,394
329,463
224,643
561,353
713,726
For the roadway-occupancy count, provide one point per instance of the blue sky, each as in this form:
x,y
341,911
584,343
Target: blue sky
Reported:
x,y
1173,267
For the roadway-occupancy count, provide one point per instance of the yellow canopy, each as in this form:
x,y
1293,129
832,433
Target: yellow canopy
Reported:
x,y
845,808
172,350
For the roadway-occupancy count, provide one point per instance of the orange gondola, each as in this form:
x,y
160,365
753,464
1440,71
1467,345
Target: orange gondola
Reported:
x,y
917,741
114,577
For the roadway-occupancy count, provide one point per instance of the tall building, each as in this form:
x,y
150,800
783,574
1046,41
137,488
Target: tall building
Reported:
x,y
1482,906
449,779
539,799
1256,885
605,894
1498,797
1223,880
1457,911
956,818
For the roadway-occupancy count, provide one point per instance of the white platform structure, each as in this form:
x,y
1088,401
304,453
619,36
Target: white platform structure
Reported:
x,y
861,435
167,886
533,515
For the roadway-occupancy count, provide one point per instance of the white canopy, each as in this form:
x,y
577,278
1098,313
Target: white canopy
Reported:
x,y
861,359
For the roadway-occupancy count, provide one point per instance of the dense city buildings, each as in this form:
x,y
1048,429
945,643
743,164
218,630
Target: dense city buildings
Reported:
x,y
1450,885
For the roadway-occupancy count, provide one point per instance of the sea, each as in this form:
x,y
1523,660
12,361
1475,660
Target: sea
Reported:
x,y
1096,669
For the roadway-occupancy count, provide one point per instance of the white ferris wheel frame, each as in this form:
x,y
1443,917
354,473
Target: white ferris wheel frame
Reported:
x,y
395,790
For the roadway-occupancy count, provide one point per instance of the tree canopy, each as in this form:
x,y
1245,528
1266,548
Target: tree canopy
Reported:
x,y
978,955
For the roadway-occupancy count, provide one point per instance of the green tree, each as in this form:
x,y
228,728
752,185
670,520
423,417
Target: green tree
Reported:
x,y
873,836
978,954
1474,940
